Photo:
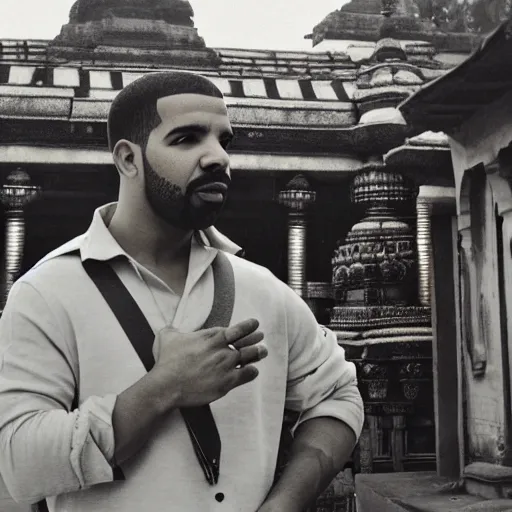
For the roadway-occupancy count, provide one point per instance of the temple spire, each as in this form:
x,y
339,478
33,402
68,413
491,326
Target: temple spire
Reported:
x,y
133,31
175,12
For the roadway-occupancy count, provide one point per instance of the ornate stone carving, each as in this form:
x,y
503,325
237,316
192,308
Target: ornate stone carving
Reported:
x,y
376,264
377,389
357,317
372,370
297,195
475,341
412,370
411,390
379,321
388,48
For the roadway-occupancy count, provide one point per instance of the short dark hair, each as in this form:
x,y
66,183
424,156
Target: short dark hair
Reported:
x,y
133,114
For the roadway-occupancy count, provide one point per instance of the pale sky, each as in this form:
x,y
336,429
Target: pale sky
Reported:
x,y
271,24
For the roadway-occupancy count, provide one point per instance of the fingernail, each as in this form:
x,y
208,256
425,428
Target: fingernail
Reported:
x,y
262,351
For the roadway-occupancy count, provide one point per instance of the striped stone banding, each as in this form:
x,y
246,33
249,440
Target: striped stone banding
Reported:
x,y
103,84
389,339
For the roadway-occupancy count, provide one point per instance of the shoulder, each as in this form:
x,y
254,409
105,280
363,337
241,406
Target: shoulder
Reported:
x,y
57,269
259,281
248,270
65,249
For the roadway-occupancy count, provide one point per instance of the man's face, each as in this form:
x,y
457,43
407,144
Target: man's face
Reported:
x,y
186,167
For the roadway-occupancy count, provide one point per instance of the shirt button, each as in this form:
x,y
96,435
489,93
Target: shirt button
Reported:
x,y
219,497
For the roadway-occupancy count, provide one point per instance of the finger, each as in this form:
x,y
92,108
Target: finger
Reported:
x,y
244,375
252,354
237,331
250,339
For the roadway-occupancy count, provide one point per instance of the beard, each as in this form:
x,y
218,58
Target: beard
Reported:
x,y
177,208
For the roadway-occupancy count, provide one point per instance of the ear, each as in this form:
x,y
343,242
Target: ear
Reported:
x,y
128,158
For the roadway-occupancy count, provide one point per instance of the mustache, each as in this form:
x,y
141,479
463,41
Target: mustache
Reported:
x,y
206,179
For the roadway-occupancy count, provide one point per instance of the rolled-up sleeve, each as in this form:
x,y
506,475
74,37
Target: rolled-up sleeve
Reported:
x,y
321,382
47,449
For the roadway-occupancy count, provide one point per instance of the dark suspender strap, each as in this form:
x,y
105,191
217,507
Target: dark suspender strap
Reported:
x,y
224,295
125,309
199,420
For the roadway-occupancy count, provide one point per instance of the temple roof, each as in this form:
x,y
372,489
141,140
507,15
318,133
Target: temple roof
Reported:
x,y
364,20
306,102
369,89
457,95
426,159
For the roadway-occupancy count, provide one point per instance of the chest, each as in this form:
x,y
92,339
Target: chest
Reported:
x,y
107,362
173,276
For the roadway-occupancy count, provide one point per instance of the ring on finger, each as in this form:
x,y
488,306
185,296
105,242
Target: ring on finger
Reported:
x,y
239,354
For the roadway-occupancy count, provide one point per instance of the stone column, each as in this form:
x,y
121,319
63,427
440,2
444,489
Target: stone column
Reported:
x,y
15,194
297,196
424,243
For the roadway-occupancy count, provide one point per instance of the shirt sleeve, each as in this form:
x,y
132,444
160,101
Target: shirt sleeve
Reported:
x,y
46,448
321,382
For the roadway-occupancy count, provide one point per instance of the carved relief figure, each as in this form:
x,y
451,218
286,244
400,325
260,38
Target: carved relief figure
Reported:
x,y
475,341
474,307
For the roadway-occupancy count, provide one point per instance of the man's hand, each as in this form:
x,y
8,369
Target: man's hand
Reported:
x,y
200,367
190,370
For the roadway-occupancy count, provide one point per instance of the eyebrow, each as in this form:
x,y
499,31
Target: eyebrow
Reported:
x,y
195,128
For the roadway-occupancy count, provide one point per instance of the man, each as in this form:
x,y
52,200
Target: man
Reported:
x,y
168,133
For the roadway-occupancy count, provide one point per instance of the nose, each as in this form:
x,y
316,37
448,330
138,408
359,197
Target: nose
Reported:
x,y
215,158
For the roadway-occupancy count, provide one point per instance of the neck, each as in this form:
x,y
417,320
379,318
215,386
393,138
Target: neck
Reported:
x,y
147,238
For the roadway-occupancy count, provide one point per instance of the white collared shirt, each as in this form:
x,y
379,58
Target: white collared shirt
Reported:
x,y
57,335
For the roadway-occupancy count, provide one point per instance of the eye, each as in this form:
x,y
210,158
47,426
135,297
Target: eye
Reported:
x,y
184,139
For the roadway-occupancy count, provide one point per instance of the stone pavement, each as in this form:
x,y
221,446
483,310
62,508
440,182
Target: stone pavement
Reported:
x,y
418,492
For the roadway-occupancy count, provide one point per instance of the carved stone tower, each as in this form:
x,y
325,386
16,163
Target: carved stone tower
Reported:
x,y
132,31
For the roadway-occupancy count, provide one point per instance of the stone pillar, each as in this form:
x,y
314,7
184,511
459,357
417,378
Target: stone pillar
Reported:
x,y
297,251
297,196
424,243
15,194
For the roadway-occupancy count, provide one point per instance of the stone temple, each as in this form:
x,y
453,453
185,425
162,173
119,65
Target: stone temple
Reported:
x,y
337,189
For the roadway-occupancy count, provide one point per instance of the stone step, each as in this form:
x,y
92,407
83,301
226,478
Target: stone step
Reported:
x,y
418,492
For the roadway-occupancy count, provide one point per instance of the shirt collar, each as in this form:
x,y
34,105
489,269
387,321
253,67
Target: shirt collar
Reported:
x,y
99,244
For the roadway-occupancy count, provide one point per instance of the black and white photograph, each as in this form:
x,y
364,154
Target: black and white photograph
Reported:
x,y
256,256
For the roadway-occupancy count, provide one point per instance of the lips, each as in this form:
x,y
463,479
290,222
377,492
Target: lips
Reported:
x,y
213,192
215,186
